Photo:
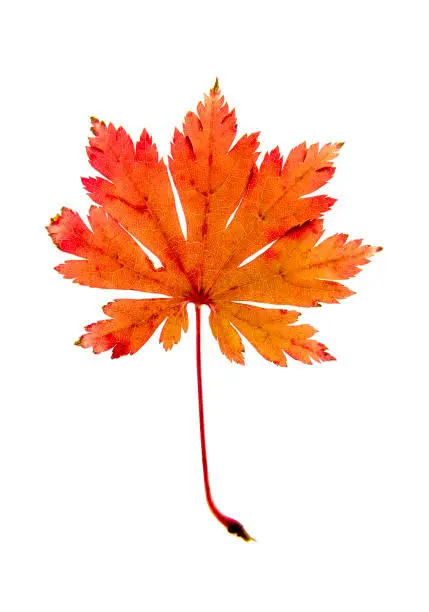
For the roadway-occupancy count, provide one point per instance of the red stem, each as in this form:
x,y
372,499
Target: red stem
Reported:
x,y
231,524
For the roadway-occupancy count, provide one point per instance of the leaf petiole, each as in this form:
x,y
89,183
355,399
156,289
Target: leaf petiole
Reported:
x,y
233,526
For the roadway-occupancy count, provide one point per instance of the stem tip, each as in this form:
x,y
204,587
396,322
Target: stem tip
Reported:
x,y
237,529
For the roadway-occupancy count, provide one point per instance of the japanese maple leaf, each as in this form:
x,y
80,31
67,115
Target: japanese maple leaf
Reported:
x,y
233,209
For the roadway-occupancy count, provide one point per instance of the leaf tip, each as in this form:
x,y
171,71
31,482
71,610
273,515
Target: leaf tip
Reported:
x,y
215,89
95,123
55,219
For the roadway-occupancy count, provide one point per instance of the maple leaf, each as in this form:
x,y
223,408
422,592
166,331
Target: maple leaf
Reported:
x,y
233,209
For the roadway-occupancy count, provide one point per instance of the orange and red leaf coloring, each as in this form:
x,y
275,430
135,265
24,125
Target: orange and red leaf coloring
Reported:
x,y
234,206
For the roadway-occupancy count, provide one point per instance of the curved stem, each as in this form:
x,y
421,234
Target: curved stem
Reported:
x,y
231,524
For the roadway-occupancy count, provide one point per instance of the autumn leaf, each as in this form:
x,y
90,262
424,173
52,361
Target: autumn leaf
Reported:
x,y
234,209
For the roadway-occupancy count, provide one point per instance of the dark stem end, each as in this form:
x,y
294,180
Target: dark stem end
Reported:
x,y
237,529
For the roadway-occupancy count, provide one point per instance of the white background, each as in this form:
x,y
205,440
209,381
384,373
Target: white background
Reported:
x,y
102,504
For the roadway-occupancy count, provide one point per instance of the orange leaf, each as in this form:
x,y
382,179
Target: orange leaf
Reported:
x,y
233,208
252,234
